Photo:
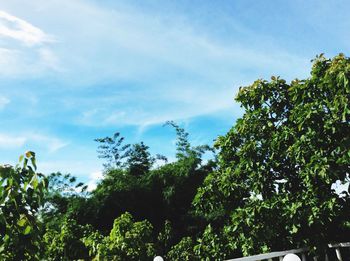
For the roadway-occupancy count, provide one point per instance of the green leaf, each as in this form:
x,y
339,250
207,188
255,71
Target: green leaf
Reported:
x,y
27,230
33,162
35,181
25,163
22,222
25,185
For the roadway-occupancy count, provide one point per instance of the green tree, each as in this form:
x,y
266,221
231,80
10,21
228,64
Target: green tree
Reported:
x,y
183,250
63,193
21,195
273,189
138,159
128,240
113,150
184,149
156,194
66,243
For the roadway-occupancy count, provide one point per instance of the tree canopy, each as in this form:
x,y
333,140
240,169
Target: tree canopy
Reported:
x,y
278,163
269,186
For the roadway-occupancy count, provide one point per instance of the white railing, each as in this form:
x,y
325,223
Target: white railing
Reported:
x,y
302,252
337,247
280,254
270,256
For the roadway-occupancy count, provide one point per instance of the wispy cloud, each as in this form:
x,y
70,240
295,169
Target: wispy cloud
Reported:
x,y
24,48
86,169
52,144
32,141
156,63
85,67
21,30
9,141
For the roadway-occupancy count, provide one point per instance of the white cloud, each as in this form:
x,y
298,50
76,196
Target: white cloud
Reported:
x,y
94,178
25,48
3,102
31,141
52,144
20,30
144,109
10,141
179,69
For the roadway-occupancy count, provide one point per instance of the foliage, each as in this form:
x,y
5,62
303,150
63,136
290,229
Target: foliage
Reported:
x,y
64,184
164,239
156,194
138,159
278,163
271,186
111,149
135,158
183,250
21,195
128,240
212,246
183,146
66,244
93,240
117,193
63,191
208,246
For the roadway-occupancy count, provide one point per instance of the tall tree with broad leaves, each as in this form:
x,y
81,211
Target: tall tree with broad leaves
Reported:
x,y
277,165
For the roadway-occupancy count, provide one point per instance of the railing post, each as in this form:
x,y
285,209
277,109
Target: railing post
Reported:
x,y
303,257
326,256
337,251
280,258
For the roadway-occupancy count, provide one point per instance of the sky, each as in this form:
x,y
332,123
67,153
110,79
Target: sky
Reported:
x,y
75,70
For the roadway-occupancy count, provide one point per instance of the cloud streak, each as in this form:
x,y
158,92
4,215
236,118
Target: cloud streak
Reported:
x,y
20,30
85,68
24,48
31,141
9,141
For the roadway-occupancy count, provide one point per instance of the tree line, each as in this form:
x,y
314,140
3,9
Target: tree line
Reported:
x,y
268,186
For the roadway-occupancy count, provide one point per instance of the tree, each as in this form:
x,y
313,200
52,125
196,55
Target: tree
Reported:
x,y
21,195
135,158
278,163
183,145
111,149
154,193
63,191
66,243
128,240
138,159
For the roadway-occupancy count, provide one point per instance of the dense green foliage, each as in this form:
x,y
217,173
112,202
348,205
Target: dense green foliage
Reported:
x,y
21,195
278,163
269,187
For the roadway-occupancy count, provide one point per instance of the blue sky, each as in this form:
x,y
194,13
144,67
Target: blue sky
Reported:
x,y
74,70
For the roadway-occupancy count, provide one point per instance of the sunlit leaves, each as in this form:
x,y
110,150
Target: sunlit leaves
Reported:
x,y
290,146
21,195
